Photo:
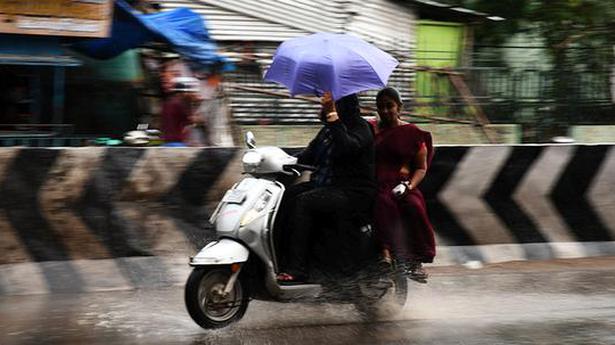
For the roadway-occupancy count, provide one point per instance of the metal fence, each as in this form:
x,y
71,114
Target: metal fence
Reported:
x,y
515,92
41,135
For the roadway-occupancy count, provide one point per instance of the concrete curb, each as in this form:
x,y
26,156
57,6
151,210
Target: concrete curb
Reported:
x,y
159,272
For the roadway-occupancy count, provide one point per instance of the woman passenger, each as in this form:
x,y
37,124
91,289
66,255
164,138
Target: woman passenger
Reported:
x,y
403,155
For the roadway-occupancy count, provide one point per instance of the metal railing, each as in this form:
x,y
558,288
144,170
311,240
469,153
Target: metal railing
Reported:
x,y
40,135
507,95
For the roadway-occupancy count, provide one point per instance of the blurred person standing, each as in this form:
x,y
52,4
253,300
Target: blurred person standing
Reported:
x,y
207,113
177,116
214,111
169,70
403,155
208,123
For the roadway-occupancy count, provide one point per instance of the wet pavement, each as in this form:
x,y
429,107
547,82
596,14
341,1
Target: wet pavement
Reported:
x,y
558,302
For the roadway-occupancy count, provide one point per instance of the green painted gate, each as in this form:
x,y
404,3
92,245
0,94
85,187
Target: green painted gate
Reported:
x,y
439,45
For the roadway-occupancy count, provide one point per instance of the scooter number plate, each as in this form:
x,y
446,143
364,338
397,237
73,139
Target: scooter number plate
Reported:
x,y
234,196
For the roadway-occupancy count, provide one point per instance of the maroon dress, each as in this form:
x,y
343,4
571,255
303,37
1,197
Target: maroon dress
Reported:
x,y
174,116
402,224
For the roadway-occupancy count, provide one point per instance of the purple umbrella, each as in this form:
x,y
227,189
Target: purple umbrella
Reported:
x,y
341,63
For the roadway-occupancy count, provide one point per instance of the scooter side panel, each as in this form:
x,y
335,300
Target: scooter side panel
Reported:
x,y
257,233
222,252
229,215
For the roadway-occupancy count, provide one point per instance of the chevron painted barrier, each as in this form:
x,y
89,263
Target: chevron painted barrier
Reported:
x,y
550,201
90,219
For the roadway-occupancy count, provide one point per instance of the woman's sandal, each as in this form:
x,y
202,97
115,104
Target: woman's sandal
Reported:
x,y
416,272
288,279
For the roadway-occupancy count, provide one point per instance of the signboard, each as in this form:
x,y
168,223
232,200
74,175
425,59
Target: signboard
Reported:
x,y
83,18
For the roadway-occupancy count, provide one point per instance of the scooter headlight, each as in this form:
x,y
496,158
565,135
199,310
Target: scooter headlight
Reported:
x,y
251,161
256,210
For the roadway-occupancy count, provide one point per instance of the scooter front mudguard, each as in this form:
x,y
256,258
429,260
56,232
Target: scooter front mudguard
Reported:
x,y
221,252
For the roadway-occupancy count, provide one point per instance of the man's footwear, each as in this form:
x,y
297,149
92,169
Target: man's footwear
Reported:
x,y
385,265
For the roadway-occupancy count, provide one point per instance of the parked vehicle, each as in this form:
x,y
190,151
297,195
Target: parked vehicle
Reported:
x,y
242,263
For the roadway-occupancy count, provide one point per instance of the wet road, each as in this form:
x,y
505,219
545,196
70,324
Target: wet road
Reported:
x,y
558,302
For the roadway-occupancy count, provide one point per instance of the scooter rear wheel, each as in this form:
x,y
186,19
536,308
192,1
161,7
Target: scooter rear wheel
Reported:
x,y
206,302
390,303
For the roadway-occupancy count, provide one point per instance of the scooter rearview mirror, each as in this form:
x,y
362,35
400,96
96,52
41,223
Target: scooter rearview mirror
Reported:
x,y
250,140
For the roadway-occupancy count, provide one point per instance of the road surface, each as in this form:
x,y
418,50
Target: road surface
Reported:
x,y
557,302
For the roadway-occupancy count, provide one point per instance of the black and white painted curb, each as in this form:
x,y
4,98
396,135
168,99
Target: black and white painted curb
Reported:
x,y
135,273
62,209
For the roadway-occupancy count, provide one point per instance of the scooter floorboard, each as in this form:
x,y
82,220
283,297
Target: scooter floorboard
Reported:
x,y
300,291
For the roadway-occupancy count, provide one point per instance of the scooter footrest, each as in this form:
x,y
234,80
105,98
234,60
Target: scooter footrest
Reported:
x,y
300,291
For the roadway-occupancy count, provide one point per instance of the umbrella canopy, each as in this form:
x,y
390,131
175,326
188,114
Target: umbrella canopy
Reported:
x,y
341,63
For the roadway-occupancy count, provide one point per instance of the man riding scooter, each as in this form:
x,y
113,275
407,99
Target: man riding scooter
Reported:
x,y
341,188
242,263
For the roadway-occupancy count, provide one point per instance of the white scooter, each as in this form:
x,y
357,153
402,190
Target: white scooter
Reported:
x,y
242,263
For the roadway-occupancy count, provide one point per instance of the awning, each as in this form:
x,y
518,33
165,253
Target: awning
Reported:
x,y
183,29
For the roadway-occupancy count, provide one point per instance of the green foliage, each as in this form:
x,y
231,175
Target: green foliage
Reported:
x,y
562,24
565,22
516,13
579,38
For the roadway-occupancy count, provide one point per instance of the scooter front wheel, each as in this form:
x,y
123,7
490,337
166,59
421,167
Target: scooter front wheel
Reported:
x,y
206,301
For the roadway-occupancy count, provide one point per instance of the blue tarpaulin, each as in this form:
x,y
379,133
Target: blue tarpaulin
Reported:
x,y
183,29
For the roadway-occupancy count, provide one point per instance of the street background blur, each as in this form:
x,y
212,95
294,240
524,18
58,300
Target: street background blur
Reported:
x,y
94,242
76,73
